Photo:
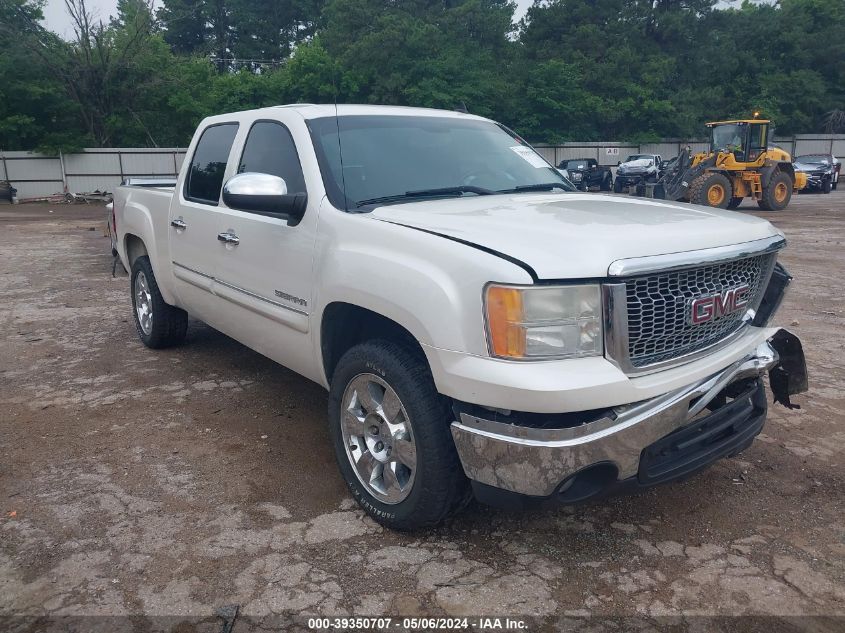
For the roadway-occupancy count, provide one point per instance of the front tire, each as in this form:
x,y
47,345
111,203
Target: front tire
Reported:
x,y
617,186
606,183
390,431
734,203
711,189
826,186
777,193
159,324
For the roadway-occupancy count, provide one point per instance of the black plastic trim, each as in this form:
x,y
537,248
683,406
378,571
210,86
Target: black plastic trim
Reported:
x,y
532,420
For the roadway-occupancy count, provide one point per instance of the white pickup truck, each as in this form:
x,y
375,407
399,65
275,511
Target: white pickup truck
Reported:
x,y
480,326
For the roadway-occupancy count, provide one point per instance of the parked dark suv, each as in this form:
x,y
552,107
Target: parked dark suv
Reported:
x,y
822,171
586,172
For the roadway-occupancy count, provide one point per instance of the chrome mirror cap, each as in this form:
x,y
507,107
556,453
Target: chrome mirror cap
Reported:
x,y
254,184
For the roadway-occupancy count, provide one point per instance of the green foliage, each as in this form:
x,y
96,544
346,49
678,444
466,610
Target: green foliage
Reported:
x,y
570,70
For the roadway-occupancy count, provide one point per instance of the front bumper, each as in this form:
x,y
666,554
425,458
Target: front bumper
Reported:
x,y
577,462
816,181
628,180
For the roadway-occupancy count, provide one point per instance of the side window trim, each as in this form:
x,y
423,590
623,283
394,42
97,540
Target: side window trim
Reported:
x,y
186,184
292,141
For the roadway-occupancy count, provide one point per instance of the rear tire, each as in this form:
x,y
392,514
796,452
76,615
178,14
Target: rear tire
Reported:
x,y
159,324
711,189
777,193
606,183
366,434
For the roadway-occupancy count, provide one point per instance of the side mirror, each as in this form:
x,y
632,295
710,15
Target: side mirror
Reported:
x,y
265,195
618,163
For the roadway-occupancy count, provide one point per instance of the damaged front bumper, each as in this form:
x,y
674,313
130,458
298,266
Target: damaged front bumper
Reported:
x,y
641,444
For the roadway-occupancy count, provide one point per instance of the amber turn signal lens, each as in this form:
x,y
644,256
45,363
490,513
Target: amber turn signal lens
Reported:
x,y
504,322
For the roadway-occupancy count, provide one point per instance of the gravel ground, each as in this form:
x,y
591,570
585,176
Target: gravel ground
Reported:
x,y
159,486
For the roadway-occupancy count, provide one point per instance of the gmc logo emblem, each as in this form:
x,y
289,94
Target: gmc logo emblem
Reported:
x,y
706,309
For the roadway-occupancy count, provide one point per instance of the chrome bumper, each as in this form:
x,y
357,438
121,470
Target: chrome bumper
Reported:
x,y
533,461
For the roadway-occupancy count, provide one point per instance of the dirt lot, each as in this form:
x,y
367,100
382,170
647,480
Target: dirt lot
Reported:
x,y
140,483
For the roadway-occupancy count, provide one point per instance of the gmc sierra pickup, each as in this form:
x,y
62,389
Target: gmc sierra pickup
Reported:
x,y
480,327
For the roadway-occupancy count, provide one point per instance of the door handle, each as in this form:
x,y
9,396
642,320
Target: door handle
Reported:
x,y
178,223
229,238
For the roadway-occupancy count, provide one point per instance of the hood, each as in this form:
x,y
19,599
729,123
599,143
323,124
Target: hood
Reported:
x,y
569,235
811,166
640,163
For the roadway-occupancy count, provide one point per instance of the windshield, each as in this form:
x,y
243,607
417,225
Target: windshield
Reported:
x,y
392,156
813,158
639,157
728,137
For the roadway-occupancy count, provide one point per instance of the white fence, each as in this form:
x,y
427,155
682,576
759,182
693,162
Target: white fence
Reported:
x,y
37,175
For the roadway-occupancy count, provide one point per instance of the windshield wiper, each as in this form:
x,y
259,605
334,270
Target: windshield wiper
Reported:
x,y
543,186
429,193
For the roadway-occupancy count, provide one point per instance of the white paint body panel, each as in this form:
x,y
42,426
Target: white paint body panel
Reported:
x,y
416,264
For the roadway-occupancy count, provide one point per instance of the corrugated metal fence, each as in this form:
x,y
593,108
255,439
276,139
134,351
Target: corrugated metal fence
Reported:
x,y
37,175
610,153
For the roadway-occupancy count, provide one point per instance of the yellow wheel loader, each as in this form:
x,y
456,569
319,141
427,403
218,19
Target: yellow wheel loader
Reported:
x,y
738,165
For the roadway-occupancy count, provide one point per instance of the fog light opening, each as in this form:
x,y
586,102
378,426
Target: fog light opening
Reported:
x,y
588,482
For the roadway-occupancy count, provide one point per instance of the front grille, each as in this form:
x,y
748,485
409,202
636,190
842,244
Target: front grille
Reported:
x,y
659,307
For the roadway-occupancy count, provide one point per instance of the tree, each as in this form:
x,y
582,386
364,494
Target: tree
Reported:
x,y
186,25
35,113
572,69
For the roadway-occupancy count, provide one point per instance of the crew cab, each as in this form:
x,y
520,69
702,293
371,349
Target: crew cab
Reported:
x,y
479,326
586,172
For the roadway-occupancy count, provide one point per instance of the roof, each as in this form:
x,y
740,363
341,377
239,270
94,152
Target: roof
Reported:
x,y
737,121
316,111
319,111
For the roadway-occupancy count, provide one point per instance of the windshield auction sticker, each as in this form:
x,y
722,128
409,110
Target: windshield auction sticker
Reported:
x,y
529,155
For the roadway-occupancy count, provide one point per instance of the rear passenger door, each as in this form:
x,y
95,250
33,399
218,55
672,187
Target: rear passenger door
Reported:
x,y
265,276
194,219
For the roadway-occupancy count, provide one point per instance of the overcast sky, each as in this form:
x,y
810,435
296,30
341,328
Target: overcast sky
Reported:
x,y
57,20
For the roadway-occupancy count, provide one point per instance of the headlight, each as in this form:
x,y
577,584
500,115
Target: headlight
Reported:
x,y
542,322
576,176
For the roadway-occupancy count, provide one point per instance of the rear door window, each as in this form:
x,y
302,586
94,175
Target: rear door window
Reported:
x,y
208,165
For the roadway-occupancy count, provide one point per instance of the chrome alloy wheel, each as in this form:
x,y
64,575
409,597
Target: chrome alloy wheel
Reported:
x,y
378,438
143,303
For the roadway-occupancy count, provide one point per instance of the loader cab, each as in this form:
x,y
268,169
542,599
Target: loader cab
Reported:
x,y
746,140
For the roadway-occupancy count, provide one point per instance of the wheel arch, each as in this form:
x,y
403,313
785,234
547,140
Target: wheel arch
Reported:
x,y
344,325
787,168
134,248
769,169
